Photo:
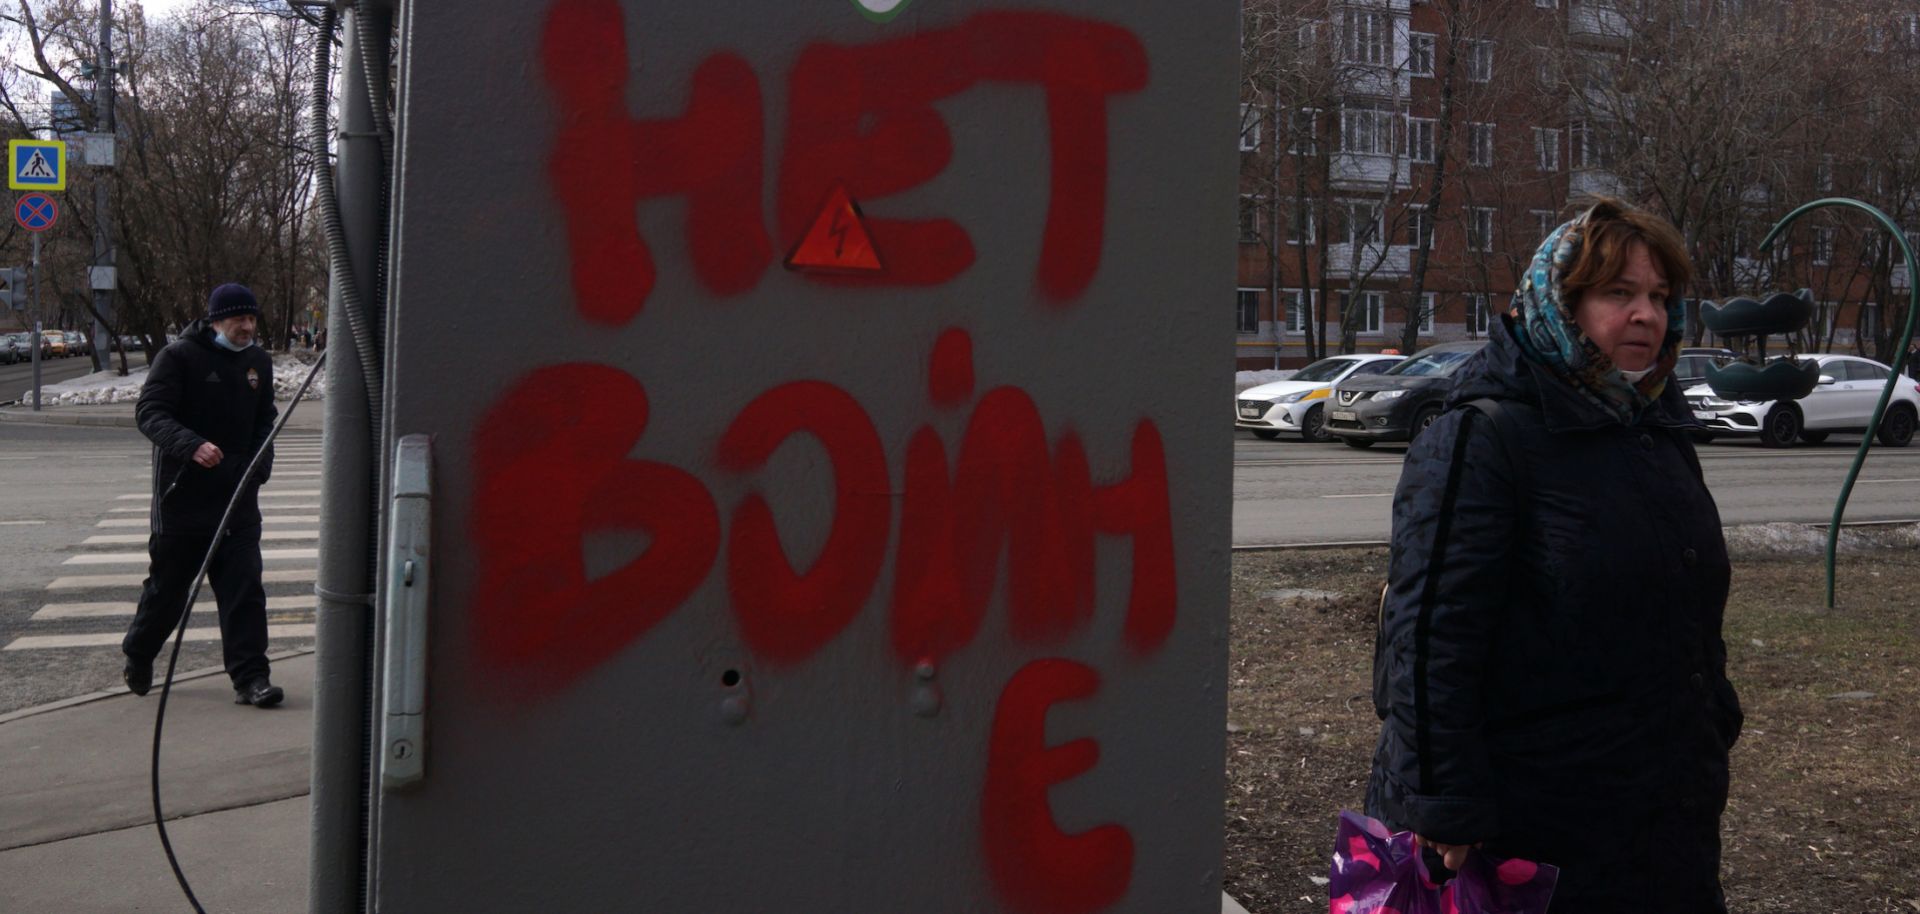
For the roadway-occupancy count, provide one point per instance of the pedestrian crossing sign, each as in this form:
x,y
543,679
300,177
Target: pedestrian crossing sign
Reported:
x,y
37,164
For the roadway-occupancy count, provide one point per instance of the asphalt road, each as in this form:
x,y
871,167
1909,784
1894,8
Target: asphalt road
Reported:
x,y
18,377
72,553
1287,491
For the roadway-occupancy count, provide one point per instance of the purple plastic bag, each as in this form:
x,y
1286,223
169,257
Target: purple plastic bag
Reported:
x,y
1378,873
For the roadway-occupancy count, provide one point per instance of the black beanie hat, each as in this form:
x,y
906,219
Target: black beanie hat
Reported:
x,y
231,300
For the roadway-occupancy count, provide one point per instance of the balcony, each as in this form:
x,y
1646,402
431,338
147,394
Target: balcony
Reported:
x,y
1597,22
1395,262
1375,81
1585,182
1368,171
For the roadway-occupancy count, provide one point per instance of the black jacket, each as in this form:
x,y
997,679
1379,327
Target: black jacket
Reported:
x,y
197,392
1550,672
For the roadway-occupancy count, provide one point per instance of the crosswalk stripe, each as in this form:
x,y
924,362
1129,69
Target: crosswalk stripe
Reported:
x,y
103,639
140,558
297,473
128,539
295,493
99,610
264,509
89,581
264,518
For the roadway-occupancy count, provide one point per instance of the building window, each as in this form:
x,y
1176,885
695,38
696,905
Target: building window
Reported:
x,y
1419,226
1869,320
1249,128
1477,313
1479,61
1543,224
1429,304
1420,132
1372,306
1250,211
1823,175
1420,53
1589,146
1366,37
1297,309
1300,226
1368,131
1304,139
1247,314
1480,228
1546,148
1480,144
1822,246
1547,4
1363,221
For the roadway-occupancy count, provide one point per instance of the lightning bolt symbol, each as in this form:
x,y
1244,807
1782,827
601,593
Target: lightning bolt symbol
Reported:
x,y
839,232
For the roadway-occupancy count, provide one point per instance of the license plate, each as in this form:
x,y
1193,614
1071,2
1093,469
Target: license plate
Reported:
x,y
1250,412
1345,415
1705,414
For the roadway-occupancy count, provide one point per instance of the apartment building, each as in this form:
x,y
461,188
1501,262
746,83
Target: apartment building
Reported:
x,y
1374,131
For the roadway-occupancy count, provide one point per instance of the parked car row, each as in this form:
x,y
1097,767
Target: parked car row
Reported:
x,y
1361,399
54,344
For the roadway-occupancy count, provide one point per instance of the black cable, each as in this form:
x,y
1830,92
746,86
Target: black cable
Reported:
x,y
180,634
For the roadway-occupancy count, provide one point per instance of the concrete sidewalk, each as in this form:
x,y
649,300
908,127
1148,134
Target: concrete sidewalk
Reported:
x,y
76,817
310,416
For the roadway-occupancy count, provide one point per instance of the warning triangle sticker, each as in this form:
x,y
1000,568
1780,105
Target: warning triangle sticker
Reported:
x,y
838,241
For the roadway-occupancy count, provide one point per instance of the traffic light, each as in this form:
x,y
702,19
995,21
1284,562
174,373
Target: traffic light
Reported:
x,y
15,293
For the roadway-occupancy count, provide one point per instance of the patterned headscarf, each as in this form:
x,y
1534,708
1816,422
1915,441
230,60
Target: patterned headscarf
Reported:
x,y
1543,325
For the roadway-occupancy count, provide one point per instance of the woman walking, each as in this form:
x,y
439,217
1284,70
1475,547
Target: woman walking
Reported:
x,y
1550,671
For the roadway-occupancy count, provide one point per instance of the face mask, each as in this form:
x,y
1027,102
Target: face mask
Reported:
x,y
1633,377
221,340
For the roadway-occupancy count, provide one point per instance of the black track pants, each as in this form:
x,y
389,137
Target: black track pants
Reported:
x,y
235,576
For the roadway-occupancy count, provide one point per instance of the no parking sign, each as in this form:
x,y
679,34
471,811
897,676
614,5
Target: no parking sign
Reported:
x,y
36,212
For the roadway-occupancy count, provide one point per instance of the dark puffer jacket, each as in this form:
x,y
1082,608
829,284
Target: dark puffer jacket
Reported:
x,y
1550,673
197,392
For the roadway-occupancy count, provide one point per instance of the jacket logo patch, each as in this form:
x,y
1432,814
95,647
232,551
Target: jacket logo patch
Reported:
x,y
213,376
253,378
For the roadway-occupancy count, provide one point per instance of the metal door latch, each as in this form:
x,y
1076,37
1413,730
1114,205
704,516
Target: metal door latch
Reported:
x,y
409,531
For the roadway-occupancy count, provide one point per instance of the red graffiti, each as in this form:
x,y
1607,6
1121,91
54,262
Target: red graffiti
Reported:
x,y
604,162
1038,868
859,117
785,616
551,467
1009,496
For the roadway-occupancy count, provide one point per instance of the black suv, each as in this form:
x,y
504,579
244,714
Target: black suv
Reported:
x,y
1400,404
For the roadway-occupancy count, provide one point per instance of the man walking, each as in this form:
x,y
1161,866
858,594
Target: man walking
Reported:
x,y
207,406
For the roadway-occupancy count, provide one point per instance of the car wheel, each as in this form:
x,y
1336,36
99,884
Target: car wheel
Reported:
x,y
1813,437
1897,426
1781,427
1313,426
1265,434
1423,418
1362,443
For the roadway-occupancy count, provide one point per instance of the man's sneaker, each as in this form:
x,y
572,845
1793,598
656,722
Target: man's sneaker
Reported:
x,y
138,674
258,692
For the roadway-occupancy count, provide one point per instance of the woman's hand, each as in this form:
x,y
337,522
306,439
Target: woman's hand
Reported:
x,y
1453,855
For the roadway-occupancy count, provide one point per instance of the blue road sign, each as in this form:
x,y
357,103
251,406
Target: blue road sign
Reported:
x,y
37,164
36,212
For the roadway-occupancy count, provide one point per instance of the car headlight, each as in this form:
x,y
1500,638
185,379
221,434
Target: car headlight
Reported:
x,y
1389,394
1715,403
1293,398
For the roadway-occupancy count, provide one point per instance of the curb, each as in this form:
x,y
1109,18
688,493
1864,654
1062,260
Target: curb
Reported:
x,y
91,697
1382,544
25,416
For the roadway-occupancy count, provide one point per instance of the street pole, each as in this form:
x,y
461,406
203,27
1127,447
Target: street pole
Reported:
x,y
38,340
103,255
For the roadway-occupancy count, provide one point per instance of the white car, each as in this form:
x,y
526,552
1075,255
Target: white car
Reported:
x,y
1843,401
1294,405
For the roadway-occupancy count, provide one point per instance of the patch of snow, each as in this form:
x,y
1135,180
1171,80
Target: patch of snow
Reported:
x,y
1783,540
1295,594
103,387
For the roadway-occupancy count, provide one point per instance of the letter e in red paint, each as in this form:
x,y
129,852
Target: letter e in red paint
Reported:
x,y
1036,867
